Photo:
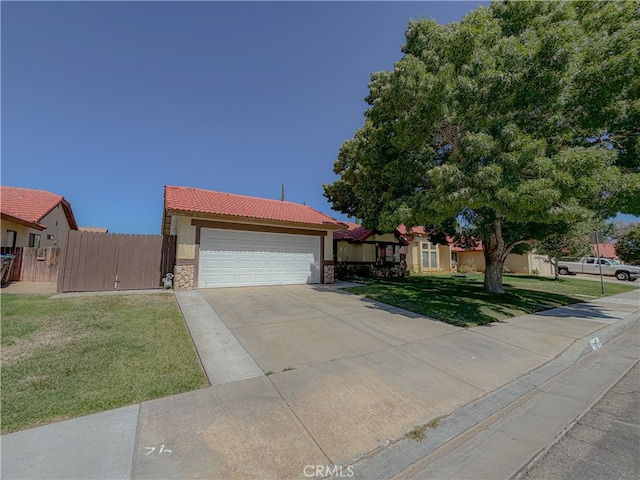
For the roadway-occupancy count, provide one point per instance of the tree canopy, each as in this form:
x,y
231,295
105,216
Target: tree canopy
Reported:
x,y
507,127
628,245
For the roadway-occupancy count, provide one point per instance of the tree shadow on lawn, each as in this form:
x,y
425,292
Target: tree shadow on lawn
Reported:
x,y
461,302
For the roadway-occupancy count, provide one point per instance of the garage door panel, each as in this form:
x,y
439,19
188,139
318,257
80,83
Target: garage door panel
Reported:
x,y
231,257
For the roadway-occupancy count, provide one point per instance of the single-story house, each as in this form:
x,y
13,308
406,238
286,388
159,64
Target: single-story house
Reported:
x,y
34,218
357,249
358,245
226,240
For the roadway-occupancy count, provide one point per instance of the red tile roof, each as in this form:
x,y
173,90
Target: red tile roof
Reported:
x,y
354,232
477,248
419,230
415,230
31,206
196,200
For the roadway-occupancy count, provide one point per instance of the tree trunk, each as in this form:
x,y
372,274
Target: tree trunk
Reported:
x,y
495,253
493,275
555,267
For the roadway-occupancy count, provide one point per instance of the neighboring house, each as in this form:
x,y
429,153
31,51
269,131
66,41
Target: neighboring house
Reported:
x,y
225,240
424,255
356,245
357,249
34,218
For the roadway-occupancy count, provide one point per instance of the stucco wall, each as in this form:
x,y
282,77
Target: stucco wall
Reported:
x,y
356,252
413,258
474,258
22,234
517,263
186,237
57,225
522,264
387,237
328,246
540,263
444,253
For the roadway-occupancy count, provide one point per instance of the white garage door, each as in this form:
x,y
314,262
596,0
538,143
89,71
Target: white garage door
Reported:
x,y
230,258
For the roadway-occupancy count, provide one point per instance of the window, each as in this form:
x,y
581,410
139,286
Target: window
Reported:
x,y
385,253
11,238
429,256
34,240
591,260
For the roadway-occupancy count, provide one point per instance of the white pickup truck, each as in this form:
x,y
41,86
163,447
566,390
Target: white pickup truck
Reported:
x,y
593,264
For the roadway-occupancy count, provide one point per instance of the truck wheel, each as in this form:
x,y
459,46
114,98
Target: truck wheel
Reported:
x,y
563,271
622,276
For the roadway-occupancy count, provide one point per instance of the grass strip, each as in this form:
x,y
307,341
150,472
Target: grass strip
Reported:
x,y
63,358
463,301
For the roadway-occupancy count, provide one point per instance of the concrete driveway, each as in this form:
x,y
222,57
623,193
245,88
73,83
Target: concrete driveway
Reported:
x,y
336,360
297,326
358,374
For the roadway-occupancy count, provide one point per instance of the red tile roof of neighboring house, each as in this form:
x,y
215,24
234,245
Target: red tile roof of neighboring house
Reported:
x,y
196,200
419,230
415,230
354,232
29,206
607,250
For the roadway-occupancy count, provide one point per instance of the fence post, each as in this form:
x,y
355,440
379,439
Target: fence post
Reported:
x,y
63,261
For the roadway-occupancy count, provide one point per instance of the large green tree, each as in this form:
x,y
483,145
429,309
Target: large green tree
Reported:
x,y
628,245
507,127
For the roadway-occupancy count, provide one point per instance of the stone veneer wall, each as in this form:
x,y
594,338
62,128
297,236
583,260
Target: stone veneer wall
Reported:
x,y
329,272
184,277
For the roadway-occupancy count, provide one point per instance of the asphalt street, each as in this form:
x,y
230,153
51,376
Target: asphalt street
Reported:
x,y
603,444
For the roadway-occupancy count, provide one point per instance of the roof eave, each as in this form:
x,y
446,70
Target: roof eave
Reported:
x,y
66,206
240,218
24,223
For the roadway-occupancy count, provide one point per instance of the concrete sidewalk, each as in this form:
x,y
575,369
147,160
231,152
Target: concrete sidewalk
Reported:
x,y
351,410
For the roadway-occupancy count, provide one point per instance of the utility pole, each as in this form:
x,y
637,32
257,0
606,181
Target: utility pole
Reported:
x,y
282,193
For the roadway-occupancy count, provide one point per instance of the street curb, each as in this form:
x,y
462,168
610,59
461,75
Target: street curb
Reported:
x,y
396,457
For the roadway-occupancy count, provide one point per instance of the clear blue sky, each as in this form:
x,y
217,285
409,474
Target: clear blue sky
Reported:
x,y
107,102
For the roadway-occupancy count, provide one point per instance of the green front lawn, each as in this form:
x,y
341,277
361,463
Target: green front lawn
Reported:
x,y
62,358
463,302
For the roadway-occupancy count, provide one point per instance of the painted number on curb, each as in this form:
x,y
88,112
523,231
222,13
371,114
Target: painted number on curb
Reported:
x,y
595,343
160,451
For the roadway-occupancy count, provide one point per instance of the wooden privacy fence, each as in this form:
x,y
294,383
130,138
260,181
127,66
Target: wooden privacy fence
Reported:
x,y
34,264
108,261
